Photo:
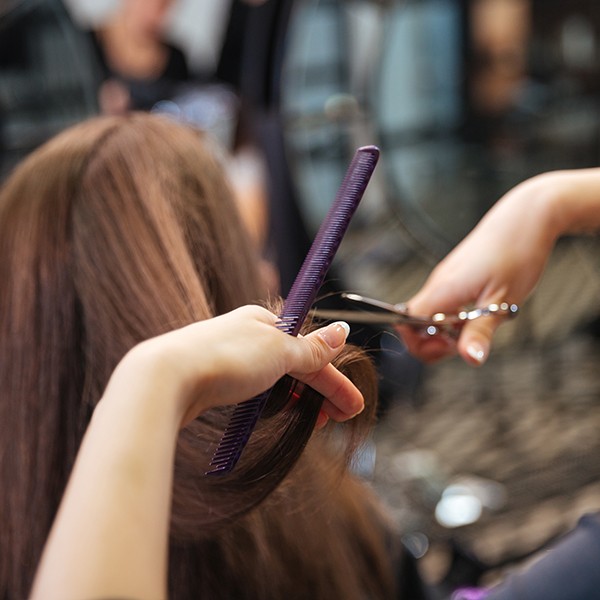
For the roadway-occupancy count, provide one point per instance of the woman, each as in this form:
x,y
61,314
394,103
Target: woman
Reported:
x,y
119,230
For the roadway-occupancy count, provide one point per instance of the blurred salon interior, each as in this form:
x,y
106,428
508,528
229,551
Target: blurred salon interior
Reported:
x,y
481,468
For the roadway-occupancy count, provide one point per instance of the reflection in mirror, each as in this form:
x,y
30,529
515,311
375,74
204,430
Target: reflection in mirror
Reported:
x,y
466,98
463,103
317,103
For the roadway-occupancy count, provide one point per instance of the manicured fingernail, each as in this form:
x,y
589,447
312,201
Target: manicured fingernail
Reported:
x,y
477,352
335,334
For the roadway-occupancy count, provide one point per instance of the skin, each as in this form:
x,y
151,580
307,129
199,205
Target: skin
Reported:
x,y
132,42
145,19
116,507
503,258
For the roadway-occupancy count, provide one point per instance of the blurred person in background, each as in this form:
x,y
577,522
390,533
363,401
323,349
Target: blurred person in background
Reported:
x,y
140,67
145,70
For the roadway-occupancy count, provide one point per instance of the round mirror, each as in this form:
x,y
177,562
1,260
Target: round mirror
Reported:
x,y
465,98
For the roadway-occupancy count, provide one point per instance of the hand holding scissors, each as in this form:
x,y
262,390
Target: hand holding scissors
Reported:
x,y
377,312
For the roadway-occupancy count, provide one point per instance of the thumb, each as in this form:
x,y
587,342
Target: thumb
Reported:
x,y
320,347
326,343
475,340
334,335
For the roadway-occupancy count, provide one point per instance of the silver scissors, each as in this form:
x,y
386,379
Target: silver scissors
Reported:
x,y
383,313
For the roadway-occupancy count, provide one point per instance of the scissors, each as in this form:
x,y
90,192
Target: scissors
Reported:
x,y
383,313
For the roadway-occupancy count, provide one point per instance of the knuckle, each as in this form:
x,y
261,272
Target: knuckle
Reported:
x,y
318,352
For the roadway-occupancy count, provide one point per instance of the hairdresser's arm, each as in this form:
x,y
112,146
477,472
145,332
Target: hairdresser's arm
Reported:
x,y
503,258
109,539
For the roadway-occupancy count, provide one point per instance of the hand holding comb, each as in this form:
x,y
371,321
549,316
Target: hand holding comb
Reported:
x,y
301,297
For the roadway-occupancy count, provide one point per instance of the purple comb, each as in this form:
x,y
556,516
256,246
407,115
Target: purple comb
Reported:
x,y
300,299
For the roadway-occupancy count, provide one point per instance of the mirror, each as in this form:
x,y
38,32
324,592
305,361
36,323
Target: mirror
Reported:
x,y
463,103
465,98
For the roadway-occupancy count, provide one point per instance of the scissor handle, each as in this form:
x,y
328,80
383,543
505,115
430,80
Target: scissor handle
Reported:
x,y
502,309
398,314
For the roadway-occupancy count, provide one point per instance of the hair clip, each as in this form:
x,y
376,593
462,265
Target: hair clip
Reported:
x,y
397,314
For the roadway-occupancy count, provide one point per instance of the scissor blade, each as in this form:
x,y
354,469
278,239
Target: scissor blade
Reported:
x,y
364,317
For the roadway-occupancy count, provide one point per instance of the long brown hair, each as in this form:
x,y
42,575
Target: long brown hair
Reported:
x,y
116,231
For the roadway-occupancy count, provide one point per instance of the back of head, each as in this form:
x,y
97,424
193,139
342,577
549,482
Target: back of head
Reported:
x,y
116,231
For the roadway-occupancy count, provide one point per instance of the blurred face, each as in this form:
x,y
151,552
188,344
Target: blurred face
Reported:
x,y
146,18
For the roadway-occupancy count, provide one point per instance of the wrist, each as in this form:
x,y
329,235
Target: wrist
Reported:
x,y
572,201
540,201
148,386
552,197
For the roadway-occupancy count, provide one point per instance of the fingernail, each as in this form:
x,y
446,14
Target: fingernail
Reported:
x,y
335,334
477,352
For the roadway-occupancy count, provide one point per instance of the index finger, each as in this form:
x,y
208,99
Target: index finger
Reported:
x,y
425,347
343,400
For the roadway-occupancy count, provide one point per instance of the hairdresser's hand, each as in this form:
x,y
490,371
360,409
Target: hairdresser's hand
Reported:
x,y
118,500
233,357
501,260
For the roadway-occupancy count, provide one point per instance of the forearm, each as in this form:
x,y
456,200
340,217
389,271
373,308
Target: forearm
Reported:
x,y
109,539
570,199
508,250
110,535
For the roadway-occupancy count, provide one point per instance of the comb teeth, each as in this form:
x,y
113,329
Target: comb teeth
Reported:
x,y
287,323
301,297
236,435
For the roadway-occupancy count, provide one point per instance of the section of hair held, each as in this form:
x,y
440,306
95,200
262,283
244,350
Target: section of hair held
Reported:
x,y
202,504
